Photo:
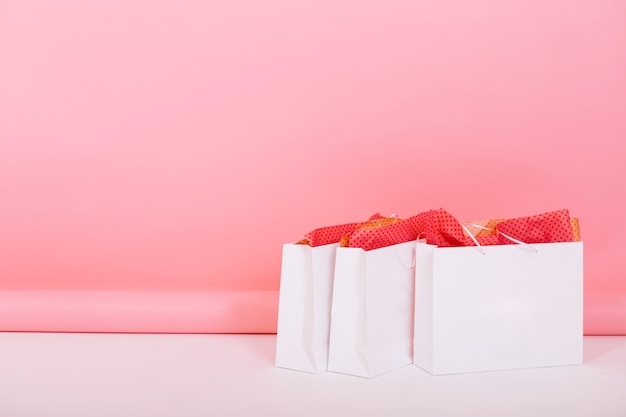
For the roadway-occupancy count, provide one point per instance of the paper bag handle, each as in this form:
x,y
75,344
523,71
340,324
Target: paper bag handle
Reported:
x,y
412,264
512,239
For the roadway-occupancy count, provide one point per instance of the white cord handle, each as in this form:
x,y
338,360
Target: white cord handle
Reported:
x,y
480,248
519,242
412,264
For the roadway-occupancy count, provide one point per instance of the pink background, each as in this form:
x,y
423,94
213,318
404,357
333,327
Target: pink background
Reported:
x,y
175,145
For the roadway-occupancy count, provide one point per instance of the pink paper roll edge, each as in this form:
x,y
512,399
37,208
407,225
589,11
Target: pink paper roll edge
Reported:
x,y
123,311
605,313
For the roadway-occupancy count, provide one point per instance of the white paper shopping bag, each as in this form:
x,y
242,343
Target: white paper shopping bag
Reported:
x,y
306,285
499,307
372,310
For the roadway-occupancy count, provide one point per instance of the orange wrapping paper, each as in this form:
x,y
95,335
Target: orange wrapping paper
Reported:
x,y
332,234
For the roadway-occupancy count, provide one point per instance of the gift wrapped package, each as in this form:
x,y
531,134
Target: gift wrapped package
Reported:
x,y
498,294
305,296
371,328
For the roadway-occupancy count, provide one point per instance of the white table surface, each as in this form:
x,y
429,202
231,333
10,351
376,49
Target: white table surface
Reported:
x,y
92,375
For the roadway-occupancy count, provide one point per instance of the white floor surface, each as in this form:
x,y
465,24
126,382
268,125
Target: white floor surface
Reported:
x,y
136,375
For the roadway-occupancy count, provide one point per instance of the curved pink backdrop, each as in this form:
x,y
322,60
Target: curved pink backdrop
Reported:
x,y
171,147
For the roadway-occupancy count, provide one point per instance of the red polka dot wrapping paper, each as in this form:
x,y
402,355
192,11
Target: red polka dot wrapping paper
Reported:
x,y
381,233
483,228
332,234
549,227
442,229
